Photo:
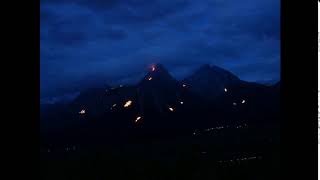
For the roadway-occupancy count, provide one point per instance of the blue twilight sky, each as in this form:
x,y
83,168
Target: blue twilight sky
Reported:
x,y
89,42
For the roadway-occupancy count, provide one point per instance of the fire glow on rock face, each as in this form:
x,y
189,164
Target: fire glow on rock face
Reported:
x,y
127,104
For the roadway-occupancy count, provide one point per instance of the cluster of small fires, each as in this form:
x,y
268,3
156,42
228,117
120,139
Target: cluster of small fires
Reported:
x,y
129,103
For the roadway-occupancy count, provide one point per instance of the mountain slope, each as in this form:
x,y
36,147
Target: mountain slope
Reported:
x,y
210,81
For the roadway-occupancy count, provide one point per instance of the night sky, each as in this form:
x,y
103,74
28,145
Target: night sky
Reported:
x,y
88,42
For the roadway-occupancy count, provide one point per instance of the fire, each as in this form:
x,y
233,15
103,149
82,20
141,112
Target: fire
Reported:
x,y
153,68
82,111
181,102
243,101
171,109
114,105
137,119
150,78
127,104
183,85
225,90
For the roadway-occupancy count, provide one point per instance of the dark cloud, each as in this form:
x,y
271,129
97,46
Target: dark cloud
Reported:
x,y
85,42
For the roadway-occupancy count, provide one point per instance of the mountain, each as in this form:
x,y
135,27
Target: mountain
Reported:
x,y
210,81
159,104
165,121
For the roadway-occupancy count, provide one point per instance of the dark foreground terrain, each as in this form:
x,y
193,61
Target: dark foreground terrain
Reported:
x,y
212,125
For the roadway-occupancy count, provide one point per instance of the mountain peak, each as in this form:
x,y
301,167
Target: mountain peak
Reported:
x,y
158,68
210,81
158,73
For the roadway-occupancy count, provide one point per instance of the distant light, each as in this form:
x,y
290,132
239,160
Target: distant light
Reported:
x,y
225,90
127,104
153,68
234,104
82,111
137,119
181,102
150,78
171,109
243,101
114,105
121,85
183,85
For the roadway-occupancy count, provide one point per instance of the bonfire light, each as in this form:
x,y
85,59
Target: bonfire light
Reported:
x,y
114,105
127,104
82,111
171,109
225,90
181,102
150,78
137,119
153,68
183,85
243,101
